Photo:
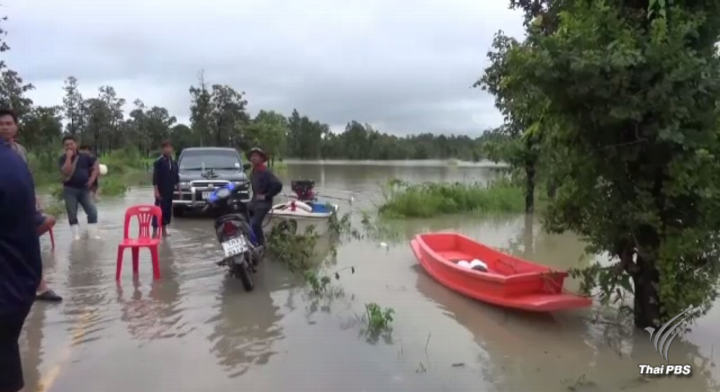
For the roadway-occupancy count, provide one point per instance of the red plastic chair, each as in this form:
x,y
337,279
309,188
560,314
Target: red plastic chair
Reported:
x,y
52,238
145,214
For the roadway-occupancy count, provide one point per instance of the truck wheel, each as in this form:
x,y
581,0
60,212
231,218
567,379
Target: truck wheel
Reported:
x,y
178,212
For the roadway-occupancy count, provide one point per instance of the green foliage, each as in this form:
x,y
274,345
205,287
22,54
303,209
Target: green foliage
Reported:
x,y
268,130
360,141
518,140
53,208
298,250
378,318
631,120
403,200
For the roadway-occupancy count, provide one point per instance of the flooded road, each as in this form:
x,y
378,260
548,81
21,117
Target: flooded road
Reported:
x,y
197,330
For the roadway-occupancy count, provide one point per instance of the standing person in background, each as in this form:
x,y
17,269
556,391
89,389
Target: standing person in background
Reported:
x,y
166,179
265,186
85,149
20,261
43,223
79,172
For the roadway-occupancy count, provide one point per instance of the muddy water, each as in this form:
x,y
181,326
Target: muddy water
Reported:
x,y
197,330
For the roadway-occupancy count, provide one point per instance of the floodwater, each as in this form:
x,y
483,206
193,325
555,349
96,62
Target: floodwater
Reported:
x,y
197,330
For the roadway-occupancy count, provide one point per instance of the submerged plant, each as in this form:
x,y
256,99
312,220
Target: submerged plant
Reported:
x,y
298,252
378,319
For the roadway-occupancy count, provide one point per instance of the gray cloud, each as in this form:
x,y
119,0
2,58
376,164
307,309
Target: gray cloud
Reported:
x,y
403,66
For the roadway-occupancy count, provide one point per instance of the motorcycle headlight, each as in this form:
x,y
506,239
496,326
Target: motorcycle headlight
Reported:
x,y
222,193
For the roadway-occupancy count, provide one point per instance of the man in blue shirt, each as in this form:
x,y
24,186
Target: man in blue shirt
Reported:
x,y
20,261
85,149
79,173
44,223
265,186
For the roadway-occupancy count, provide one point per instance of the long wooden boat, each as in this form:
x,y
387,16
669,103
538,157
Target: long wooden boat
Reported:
x,y
509,281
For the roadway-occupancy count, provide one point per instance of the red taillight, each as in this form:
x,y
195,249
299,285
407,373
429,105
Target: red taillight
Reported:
x,y
229,228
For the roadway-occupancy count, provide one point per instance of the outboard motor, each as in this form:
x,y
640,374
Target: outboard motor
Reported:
x,y
303,189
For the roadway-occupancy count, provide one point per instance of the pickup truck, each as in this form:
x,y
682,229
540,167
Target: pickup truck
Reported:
x,y
204,169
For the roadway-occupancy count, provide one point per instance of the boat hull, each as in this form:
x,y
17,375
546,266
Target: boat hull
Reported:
x,y
510,282
301,219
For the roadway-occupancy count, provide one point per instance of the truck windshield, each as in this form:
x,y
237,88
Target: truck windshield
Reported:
x,y
210,159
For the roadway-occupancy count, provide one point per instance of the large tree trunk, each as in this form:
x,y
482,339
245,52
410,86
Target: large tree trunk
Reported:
x,y
528,236
646,279
529,187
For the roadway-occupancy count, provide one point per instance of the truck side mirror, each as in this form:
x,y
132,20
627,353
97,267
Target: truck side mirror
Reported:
x,y
246,166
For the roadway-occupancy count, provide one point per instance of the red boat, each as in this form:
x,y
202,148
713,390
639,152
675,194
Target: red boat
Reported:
x,y
509,281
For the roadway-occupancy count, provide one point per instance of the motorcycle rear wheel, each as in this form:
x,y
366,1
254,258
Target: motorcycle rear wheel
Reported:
x,y
242,271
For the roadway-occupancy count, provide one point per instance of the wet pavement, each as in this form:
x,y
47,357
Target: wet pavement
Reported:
x,y
196,329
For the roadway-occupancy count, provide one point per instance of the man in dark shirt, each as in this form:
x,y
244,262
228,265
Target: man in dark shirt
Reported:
x,y
79,172
84,149
20,262
265,186
166,179
43,223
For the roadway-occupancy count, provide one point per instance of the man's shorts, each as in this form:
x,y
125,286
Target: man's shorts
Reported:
x,y
11,376
39,220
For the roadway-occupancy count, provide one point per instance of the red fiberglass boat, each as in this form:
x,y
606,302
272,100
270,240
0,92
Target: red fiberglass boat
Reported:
x,y
509,281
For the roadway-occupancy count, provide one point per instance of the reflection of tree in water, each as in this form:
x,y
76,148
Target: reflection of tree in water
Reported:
x,y
534,243
247,322
155,315
543,352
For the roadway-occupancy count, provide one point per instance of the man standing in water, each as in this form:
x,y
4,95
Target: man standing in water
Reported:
x,y
84,149
20,261
165,180
43,223
265,186
79,172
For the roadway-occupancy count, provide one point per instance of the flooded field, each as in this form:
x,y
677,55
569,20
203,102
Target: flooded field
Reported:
x,y
197,330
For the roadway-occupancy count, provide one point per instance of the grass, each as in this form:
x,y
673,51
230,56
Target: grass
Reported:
x,y
279,167
403,200
124,169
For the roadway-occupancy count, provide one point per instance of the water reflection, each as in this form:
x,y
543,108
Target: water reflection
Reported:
x,y
248,323
155,316
33,352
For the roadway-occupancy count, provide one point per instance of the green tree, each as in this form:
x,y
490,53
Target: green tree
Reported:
x,y
269,131
632,113
228,115
112,138
73,106
520,105
156,125
40,129
183,137
201,110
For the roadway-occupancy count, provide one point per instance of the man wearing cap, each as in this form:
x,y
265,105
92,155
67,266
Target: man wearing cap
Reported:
x,y
265,185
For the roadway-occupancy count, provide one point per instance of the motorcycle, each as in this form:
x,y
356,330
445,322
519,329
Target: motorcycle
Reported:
x,y
235,235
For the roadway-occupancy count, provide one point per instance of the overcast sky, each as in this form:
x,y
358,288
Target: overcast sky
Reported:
x,y
402,66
